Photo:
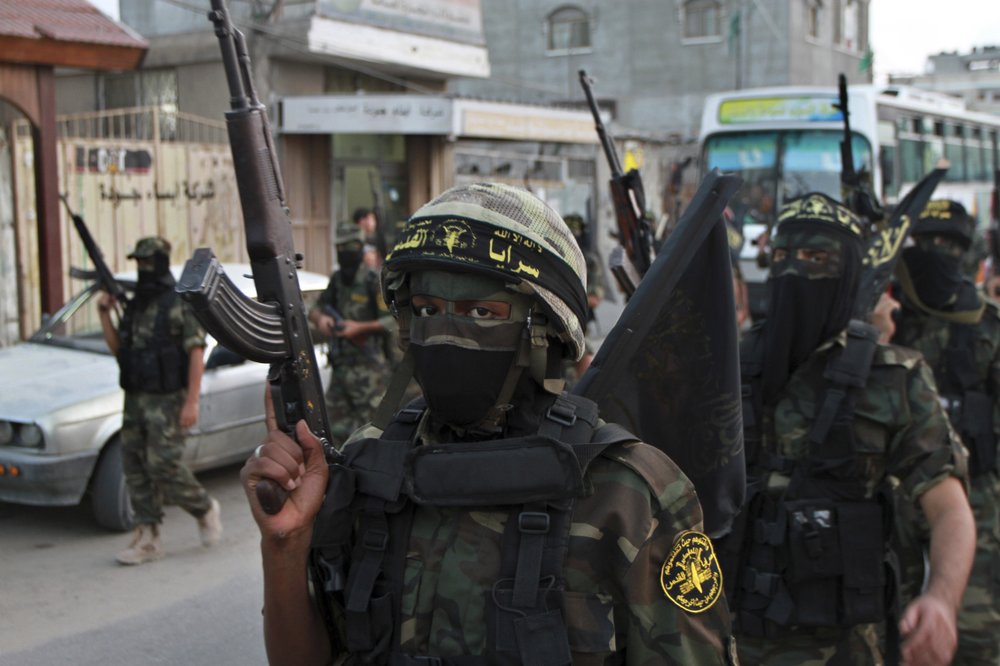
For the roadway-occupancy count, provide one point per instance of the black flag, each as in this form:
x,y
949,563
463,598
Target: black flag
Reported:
x,y
669,369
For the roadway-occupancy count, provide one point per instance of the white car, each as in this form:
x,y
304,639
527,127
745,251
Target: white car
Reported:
x,y
61,410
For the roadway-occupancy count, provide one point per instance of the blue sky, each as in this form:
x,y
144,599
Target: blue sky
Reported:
x,y
903,32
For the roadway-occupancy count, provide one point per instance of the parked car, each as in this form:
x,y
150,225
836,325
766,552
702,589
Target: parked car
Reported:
x,y
61,409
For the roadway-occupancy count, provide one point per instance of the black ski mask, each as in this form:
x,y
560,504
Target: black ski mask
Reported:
x,y
936,272
815,270
154,278
349,258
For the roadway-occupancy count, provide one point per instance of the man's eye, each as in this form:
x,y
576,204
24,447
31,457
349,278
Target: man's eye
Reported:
x,y
425,310
818,258
779,255
480,312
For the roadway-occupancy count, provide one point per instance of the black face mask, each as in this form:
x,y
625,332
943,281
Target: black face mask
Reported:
x,y
803,313
460,385
350,262
937,276
154,281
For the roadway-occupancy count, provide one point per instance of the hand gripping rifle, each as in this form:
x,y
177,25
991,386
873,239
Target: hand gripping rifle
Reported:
x,y
629,199
102,274
856,192
275,328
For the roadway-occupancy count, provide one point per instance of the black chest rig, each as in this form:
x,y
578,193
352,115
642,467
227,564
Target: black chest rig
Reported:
x,y
810,553
967,399
361,533
161,366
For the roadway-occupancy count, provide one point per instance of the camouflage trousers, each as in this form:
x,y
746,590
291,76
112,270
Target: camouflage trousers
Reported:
x,y
152,446
979,617
858,646
357,384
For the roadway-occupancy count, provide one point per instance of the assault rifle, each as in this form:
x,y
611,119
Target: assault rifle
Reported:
x,y
375,180
856,193
102,274
273,329
629,199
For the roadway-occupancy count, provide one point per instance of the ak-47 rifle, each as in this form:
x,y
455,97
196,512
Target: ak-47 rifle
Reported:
x,y
101,274
856,192
629,200
375,180
273,329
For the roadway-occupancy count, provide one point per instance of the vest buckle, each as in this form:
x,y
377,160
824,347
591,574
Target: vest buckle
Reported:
x,y
533,522
564,415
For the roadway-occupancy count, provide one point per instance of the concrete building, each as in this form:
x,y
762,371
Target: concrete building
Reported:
x,y
654,61
356,92
973,76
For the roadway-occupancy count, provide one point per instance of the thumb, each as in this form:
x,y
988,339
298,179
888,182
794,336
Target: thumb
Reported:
x,y
312,447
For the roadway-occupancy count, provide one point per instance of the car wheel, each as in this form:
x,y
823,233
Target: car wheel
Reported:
x,y
109,494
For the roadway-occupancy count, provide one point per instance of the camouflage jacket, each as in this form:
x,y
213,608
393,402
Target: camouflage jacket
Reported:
x,y
900,428
359,301
639,514
930,336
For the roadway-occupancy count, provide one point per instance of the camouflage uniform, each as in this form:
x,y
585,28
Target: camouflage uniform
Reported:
x,y
621,536
359,369
979,617
903,437
152,439
637,582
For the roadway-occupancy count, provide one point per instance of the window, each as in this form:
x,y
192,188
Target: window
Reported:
x,y
813,9
145,88
702,19
569,30
847,25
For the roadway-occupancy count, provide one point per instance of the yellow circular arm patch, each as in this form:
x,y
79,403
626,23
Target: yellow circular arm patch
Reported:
x,y
691,576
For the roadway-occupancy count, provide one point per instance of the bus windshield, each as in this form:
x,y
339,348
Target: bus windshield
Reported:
x,y
778,166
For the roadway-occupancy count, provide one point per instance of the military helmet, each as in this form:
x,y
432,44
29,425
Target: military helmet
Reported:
x,y
150,245
504,232
947,217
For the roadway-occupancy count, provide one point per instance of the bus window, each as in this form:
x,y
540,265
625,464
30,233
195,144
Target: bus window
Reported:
x,y
911,159
754,156
954,154
975,153
887,160
811,162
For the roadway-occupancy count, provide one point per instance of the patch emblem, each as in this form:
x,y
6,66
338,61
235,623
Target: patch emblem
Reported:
x,y
691,576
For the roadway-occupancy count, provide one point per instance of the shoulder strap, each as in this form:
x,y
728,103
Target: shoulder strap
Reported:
x,y
845,370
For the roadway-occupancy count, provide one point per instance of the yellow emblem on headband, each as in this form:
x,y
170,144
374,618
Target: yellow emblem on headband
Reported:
x,y
819,208
691,576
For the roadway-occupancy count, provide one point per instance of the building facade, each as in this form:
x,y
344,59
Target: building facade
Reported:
x,y
973,76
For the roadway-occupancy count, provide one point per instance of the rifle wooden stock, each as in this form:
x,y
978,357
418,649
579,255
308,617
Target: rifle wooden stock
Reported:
x,y
628,197
277,328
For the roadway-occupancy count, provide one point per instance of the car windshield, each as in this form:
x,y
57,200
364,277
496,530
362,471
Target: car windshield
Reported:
x,y
75,325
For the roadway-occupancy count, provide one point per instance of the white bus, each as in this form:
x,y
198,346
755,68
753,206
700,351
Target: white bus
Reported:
x,y
785,142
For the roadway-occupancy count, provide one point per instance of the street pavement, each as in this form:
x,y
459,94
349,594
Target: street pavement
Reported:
x,y
64,600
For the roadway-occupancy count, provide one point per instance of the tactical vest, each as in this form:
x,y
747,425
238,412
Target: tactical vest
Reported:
x,y
813,553
967,399
161,366
361,534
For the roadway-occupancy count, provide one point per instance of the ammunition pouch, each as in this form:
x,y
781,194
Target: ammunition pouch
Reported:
x,y
159,367
972,416
814,563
